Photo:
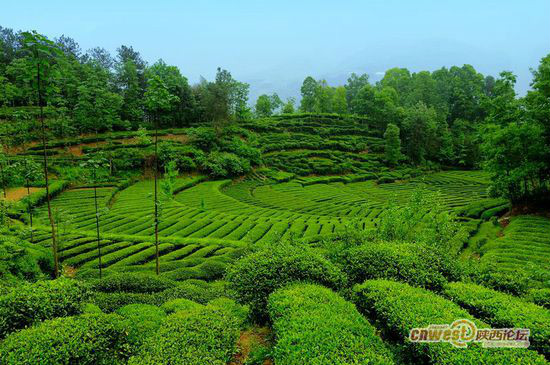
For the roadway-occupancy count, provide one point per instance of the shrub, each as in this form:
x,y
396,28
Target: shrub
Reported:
x,y
206,335
84,340
491,276
39,301
133,283
140,321
256,276
504,311
540,297
196,290
410,263
22,260
314,325
398,308
110,302
181,304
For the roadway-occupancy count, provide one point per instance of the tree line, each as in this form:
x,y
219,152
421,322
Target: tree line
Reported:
x,y
95,91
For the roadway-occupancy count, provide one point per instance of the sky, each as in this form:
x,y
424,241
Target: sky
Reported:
x,y
274,45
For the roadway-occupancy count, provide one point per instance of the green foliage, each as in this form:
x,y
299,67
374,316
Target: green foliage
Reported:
x,y
314,325
392,148
515,155
97,339
399,307
424,219
140,321
204,335
504,311
415,264
539,297
133,283
32,303
256,276
181,304
21,260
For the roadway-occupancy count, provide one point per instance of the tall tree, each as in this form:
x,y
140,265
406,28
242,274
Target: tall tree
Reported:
x,y
392,146
158,100
41,52
96,167
309,92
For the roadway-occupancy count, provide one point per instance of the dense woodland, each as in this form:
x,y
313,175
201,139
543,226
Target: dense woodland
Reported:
x,y
147,221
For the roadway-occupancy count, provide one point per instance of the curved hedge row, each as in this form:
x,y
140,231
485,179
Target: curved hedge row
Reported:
x,y
133,283
205,335
256,276
504,311
540,297
398,308
417,266
316,326
35,302
98,339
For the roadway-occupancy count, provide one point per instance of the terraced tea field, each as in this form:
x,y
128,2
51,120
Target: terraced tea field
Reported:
x,y
211,219
524,242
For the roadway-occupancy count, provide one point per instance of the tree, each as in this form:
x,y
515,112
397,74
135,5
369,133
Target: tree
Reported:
x,y
181,113
96,168
30,172
158,100
419,128
515,156
266,105
309,93
289,106
392,147
263,106
41,52
353,86
97,107
339,101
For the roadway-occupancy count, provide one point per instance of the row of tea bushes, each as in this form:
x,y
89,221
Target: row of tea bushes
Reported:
x,y
316,326
398,307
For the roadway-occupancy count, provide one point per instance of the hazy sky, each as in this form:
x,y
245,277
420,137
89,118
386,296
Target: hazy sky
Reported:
x,y
274,45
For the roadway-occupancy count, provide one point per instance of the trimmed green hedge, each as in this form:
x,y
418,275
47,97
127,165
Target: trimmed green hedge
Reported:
x,y
206,335
97,339
39,197
141,321
314,325
417,266
31,303
504,311
181,304
398,308
256,276
133,283
540,297
195,290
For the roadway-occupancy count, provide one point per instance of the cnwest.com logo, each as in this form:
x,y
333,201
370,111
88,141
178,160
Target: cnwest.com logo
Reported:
x,y
463,331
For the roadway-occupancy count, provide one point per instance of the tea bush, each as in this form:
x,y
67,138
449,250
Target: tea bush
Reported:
x,y
398,307
256,276
32,303
98,339
314,325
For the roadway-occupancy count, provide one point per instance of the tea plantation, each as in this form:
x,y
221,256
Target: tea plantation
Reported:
x,y
321,253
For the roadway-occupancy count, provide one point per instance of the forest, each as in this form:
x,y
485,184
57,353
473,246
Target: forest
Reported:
x,y
148,220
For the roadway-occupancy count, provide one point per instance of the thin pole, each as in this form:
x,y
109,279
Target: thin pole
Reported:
x,y
156,199
52,223
97,225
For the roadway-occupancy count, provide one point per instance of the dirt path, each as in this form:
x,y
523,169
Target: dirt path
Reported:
x,y
15,194
252,339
